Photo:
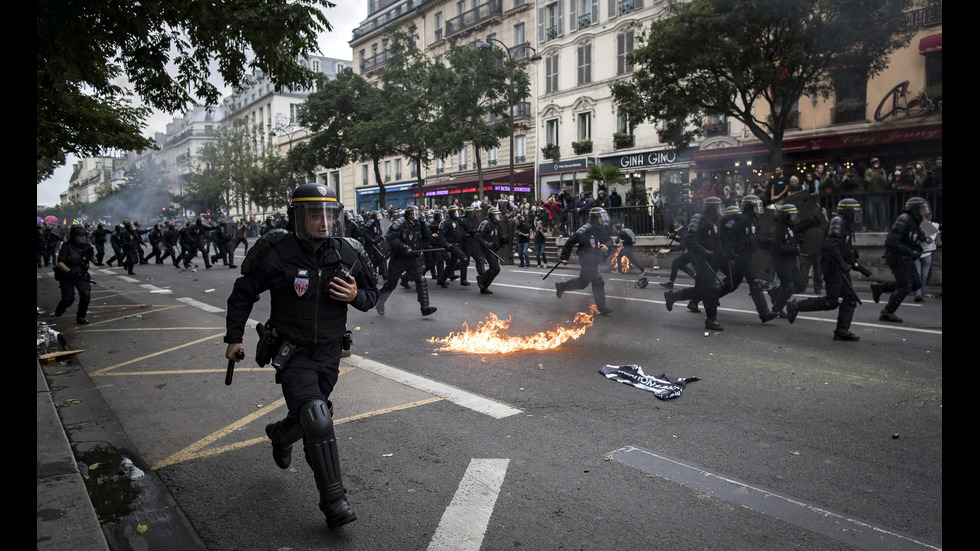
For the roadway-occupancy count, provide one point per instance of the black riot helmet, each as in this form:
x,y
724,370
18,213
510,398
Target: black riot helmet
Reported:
x,y
412,213
494,214
77,231
789,212
917,207
598,216
752,204
849,208
713,207
454,212
314,213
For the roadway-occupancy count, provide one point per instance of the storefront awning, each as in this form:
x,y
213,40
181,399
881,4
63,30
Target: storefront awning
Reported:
x,y
930,44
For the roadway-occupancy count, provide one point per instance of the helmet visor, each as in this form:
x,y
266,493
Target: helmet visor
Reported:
x,y
317,221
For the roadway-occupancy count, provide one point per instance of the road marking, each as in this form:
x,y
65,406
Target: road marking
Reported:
x,y
148,356
196,451
735,310
852,531
201,305
155,289
455,395
125,329
129,279
465,521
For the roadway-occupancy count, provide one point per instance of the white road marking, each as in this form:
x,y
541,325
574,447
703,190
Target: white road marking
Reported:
x,y
852,531
465,521
455,395
155,289
200,305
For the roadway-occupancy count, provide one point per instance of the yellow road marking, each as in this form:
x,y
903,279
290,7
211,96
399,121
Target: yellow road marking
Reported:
x,y
192,451
167,351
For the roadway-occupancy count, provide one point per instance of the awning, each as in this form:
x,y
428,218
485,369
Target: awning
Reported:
x,y
520,177
930,44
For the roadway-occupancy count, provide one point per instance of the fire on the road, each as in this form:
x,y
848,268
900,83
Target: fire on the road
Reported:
x,y
491,337
620,264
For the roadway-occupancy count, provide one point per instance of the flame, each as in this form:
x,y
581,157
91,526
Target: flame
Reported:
x,y
491,336
620,264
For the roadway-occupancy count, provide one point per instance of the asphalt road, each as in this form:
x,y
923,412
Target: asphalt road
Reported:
x,y
790,440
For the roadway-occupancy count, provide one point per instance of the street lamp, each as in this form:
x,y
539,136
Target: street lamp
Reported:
x,y
510,97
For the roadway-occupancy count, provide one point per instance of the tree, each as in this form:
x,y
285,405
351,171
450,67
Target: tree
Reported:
x,y
408,106
752,61
347,121
85,48
473,100
604,173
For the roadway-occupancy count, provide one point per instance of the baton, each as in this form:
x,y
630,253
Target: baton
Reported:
x,y
850,286
551,270
498,256
230,372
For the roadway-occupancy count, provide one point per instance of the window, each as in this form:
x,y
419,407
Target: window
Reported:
x,y
551,131
551,74
550,22
584,126
492,157
520,149
438,26
440,166
364,174
398,169
585,63
462,158
588,14
519,37
387,171
624,45
850,104
623,123
315,65
293,113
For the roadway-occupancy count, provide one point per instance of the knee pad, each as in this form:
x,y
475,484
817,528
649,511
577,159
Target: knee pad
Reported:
x,y
316,421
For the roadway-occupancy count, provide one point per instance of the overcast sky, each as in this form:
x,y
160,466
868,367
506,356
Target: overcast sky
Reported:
x,y
344,17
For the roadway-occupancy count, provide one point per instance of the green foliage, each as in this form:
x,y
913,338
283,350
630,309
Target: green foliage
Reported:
x,y
85,48
725,57
473,99
605,174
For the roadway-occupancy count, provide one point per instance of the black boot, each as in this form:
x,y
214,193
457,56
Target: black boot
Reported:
x,y
283,435
324,459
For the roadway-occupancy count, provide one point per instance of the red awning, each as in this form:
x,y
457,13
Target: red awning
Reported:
x,y
931,43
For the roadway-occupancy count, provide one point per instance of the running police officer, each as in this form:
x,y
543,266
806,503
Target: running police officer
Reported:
x,y
903,246
703,242
593,242
71,271
312,276
490,240
839,257
405,242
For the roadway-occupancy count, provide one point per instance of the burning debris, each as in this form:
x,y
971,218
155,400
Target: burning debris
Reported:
x,y
619,263
490,336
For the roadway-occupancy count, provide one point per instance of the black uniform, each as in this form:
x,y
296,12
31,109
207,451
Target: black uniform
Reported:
x,y
452,237
76,257
588,238
98,239
490,240
903,246
404,241
156,240
129,242
306,316
741,238
838,257
704,243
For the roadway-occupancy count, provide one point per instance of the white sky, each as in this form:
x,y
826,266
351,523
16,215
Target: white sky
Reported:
x,y
344,17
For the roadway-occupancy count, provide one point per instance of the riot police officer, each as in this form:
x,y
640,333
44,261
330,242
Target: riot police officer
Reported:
x,y
71,271
704,243
490,240
452,237
593,242
903,246
312,275
405,243
838,258
741,238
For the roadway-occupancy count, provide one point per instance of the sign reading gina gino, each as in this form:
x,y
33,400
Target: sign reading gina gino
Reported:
x,y
650,159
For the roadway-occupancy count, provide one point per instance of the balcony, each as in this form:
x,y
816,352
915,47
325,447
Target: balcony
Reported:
x,y
582,147
473,17
551,151
626,6
375,61
585,21
522,110
622,140
716,127
520,52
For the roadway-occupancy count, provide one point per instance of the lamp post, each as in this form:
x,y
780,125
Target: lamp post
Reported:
x,y
510,96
